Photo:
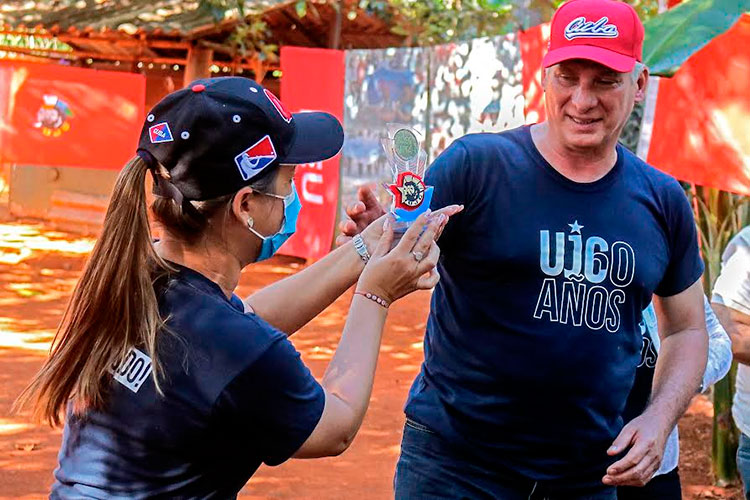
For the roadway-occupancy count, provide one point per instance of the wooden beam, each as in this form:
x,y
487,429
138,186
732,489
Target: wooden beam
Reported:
x,y
198,64
77,55
300,28
119,40
217,47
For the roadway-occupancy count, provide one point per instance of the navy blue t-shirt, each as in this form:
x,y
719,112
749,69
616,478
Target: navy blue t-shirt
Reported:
x,y
533,335
236,394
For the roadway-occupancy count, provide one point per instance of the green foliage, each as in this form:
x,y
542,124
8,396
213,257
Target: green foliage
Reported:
x,y
674,36
431,22
301,8
420,22
251,35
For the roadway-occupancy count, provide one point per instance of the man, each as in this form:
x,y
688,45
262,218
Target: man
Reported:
x,y
665,485
533,335
731,301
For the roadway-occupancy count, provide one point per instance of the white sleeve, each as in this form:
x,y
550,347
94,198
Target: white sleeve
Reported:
x,y
732,287
719,349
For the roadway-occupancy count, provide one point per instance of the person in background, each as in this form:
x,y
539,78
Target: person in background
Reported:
x,y
731,301
665,485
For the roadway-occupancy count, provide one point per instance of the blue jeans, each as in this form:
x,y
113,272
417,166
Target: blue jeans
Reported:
x,y
429,468
743,462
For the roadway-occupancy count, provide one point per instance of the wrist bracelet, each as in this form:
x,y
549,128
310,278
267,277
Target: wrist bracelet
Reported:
x,y
361,248
374,298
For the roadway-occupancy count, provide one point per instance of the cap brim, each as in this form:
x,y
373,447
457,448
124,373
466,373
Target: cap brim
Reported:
x,y
318,136
613,60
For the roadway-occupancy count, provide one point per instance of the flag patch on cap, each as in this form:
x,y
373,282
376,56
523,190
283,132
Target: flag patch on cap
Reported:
x,y
160,133
286,115
255,158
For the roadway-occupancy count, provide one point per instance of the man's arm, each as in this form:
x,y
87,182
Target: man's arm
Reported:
x,y
737,325
679,370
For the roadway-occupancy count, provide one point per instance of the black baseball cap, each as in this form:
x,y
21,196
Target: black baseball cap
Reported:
x,y
218,134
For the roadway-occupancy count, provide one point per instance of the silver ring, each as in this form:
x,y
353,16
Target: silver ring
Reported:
x,y
418,256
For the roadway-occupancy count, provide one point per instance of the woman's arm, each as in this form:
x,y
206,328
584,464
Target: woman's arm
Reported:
x,y
290,303
348,379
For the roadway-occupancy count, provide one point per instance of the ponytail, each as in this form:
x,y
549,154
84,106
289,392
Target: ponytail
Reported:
x,y
113,308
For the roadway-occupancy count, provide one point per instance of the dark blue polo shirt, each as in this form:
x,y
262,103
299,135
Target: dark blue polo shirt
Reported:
x,y
533,336
236,394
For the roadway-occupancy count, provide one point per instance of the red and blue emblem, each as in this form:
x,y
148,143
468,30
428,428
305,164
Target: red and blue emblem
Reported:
x,y
411,197
160,133
408,192
255,158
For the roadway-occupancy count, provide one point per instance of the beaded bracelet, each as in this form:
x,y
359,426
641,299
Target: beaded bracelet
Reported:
x,y
374,298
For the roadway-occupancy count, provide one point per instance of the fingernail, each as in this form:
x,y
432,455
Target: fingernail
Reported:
x,y
442,218
613,448
387,223
427,213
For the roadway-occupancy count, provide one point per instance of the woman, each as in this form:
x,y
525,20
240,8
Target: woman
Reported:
x,y
174,387
665,484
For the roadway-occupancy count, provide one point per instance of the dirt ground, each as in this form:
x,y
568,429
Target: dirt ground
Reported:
x,y
38,269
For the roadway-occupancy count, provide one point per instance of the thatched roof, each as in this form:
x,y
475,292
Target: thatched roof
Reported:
x,y
168,17
161,31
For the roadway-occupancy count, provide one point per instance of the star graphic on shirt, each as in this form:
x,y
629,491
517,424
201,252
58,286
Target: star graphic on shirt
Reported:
x,y
575,227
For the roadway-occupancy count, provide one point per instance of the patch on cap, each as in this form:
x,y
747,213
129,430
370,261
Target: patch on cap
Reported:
x,y
286,115
255,158
160,133
581,28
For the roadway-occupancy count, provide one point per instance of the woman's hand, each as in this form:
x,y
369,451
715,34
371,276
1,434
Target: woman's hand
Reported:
x,y
410,265
367,216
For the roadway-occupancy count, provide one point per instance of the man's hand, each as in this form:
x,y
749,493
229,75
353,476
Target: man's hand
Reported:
x,y
361,214
645,436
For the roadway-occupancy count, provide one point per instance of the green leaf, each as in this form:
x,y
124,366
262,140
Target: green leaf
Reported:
x,y
301,8
672,37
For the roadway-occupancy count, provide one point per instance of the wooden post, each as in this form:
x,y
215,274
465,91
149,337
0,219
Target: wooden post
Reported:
x,y
198,64
259,69
334,34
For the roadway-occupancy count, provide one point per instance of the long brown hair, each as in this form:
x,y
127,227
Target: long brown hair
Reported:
x,y
114,306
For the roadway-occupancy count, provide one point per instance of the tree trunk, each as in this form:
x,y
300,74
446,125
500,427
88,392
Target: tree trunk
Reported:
x,y
725,436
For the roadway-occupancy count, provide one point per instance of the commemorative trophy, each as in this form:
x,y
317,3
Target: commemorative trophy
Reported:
x,y
407,163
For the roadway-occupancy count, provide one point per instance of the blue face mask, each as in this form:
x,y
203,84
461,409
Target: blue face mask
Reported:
x,y
271,244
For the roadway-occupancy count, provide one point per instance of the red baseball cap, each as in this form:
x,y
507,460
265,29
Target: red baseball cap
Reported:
x,y
608,32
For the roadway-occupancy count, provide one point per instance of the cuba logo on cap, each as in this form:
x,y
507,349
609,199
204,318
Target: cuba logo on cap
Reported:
x,y
255,158
160,133
581,28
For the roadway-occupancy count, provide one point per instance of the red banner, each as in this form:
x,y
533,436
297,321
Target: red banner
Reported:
x,y
313,80
700,122
533,47
63,116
